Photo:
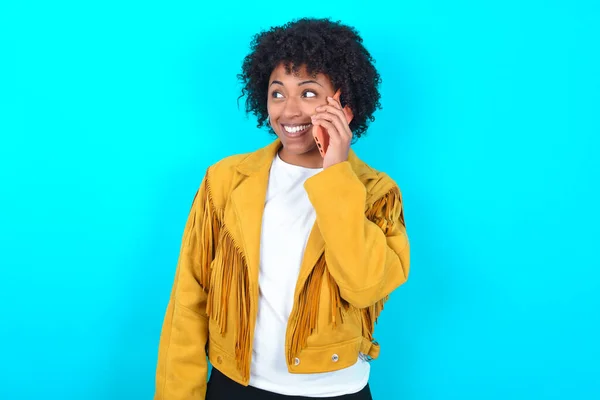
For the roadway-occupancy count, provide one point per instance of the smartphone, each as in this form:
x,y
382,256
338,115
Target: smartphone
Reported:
x,y
320,134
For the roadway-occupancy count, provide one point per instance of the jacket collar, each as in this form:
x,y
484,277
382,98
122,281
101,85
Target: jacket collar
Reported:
x,y
263,157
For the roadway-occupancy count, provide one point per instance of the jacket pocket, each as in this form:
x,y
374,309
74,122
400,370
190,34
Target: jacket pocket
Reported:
x,y
334,357
224,360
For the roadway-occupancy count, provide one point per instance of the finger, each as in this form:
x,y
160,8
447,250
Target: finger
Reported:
x,y
334,102
334,135
348,115
340,113
337,121
334,110
345,128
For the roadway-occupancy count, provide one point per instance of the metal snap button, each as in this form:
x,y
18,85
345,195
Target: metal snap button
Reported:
x,y
296,361
335,358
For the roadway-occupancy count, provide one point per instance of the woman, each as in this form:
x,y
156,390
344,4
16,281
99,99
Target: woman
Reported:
x,y
288,255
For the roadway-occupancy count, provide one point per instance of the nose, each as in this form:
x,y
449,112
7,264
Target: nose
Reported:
x,y
292,109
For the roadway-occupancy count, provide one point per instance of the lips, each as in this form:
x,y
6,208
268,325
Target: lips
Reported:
x,y
295,130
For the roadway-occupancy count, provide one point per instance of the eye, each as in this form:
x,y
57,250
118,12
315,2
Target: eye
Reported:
x,y
309,94
276,95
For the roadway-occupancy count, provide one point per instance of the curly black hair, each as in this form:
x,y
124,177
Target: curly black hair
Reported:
x,y
322,46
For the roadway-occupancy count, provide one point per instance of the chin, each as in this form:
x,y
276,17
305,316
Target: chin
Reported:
x,y
298,147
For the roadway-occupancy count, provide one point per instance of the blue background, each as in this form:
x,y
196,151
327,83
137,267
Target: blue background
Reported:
x,y
110,112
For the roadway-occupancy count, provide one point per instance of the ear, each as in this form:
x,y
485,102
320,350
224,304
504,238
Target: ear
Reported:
x,y
347,111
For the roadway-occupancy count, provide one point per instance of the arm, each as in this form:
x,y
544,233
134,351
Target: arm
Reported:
x,y
367,257
182,367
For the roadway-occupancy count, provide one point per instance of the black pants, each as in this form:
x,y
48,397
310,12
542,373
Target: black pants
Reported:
x,y
221,387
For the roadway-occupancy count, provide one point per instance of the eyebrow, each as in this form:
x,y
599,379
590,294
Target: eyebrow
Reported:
x,y
305,82
299,84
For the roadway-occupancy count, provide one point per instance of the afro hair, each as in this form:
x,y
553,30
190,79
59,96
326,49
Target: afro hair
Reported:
x,y
322,46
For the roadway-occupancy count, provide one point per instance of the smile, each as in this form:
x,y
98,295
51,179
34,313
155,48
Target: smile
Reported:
x,y
296,130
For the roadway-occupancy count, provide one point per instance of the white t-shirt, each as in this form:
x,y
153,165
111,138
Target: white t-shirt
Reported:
x,y
287,221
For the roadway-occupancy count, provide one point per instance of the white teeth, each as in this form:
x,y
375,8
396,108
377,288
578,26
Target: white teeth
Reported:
x,y
295,129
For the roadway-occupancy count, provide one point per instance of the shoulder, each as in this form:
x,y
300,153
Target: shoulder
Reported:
x,y
226,167
222,176
384,197
383,188
377,183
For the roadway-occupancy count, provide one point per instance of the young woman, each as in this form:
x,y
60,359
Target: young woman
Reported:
x,y
288,255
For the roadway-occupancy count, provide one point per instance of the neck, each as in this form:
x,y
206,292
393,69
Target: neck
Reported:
x,y
312,159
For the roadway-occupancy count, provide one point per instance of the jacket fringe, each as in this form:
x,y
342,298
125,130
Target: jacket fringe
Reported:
x,y
336,301
209,233
387,210
384,212
220,270
304,322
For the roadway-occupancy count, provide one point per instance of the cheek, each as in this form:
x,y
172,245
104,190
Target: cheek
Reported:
x,y
274,110
272,117
308,108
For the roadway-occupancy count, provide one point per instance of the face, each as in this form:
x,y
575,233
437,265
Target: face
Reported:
x,y
292,99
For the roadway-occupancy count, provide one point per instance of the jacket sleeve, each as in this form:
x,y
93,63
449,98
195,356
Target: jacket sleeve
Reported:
x,y
182,366
367,254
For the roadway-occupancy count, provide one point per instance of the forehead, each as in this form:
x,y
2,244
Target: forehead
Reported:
x,y
280,74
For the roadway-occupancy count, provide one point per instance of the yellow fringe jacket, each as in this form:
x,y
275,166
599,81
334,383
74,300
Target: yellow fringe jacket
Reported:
x,y
357,254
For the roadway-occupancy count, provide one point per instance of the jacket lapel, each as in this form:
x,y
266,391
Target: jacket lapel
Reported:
x,y
314,248
248,200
